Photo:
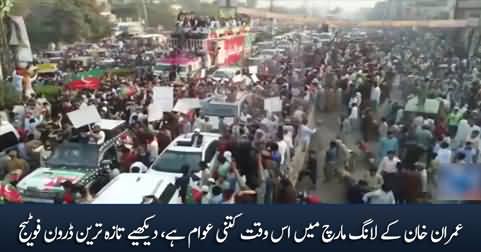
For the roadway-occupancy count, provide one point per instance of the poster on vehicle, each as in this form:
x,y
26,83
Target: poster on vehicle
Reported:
x,y
187,104
273,104
253,69
155,113
84,116
164,98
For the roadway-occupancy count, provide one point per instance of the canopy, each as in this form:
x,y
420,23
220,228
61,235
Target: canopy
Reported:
x,y
47,68
89,83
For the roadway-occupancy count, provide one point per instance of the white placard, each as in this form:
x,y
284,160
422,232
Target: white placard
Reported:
x,y
164,98
254,78
155,113
253,69
19,109
273,104
214,122
202,73
185,105
84,116
238,78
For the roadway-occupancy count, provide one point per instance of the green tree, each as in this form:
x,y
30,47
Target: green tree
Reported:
x,y
62,20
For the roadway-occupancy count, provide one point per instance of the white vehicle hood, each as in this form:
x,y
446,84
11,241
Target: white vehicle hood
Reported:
x,y
132,187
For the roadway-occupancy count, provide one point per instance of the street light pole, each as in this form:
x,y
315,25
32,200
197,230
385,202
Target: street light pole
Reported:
x,y
146,13
5,63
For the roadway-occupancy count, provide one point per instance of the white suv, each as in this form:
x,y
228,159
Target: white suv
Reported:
x,y
164,172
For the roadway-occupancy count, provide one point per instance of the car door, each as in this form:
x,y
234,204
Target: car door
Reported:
x,y
210,151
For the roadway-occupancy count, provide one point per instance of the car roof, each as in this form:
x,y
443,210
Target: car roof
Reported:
x,y
130,188
228,69
106,124
207,139
6,127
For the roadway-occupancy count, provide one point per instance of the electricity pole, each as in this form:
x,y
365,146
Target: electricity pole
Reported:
x,y
146,13
5,59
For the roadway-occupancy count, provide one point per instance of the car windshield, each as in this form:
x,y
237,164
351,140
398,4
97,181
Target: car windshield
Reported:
x,y
172,161
324,36
74,155
53,54
183,69
162,67
8,139
268,52
222,74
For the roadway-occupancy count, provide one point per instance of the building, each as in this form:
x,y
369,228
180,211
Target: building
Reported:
x,y
429,9
467,9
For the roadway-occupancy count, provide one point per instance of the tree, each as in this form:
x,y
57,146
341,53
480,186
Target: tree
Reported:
x,y
62,20
252,3
162,14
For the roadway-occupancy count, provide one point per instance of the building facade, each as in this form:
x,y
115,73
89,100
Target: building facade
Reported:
x,y
466,9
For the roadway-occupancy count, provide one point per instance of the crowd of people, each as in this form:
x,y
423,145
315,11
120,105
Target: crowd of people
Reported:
x,y
254,150
404,149
414,100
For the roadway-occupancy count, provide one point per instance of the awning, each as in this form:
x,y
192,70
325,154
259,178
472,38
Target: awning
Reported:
x,y
47,68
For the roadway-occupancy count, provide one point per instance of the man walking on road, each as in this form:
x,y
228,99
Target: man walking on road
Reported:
x,y
330,161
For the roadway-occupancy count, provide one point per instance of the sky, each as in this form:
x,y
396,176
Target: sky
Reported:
x,y
347,5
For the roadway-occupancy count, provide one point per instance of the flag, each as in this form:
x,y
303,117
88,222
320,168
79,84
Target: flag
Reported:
x,y
96,73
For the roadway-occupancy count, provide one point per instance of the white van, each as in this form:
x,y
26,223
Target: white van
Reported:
x,y
9,136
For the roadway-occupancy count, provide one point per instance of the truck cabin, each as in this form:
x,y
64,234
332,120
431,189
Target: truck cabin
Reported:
x,y
217,108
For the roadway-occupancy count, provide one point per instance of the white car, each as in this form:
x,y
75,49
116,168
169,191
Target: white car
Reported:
x,y
162,175
225,73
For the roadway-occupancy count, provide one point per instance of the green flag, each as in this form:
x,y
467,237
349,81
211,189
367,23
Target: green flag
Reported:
x,y
96,73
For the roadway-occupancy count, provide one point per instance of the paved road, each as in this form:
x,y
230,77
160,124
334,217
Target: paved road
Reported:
x,y
334,191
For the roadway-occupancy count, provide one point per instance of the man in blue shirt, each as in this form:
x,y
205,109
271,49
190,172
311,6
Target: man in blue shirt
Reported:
x,y
469,153
389,143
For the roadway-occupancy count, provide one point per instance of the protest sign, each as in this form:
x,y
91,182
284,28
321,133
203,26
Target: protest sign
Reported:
x,y
164,98
273,104
187,104
84,116
155,113
253,69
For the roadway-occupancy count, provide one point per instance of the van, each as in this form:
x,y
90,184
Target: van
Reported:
x,y
9,138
